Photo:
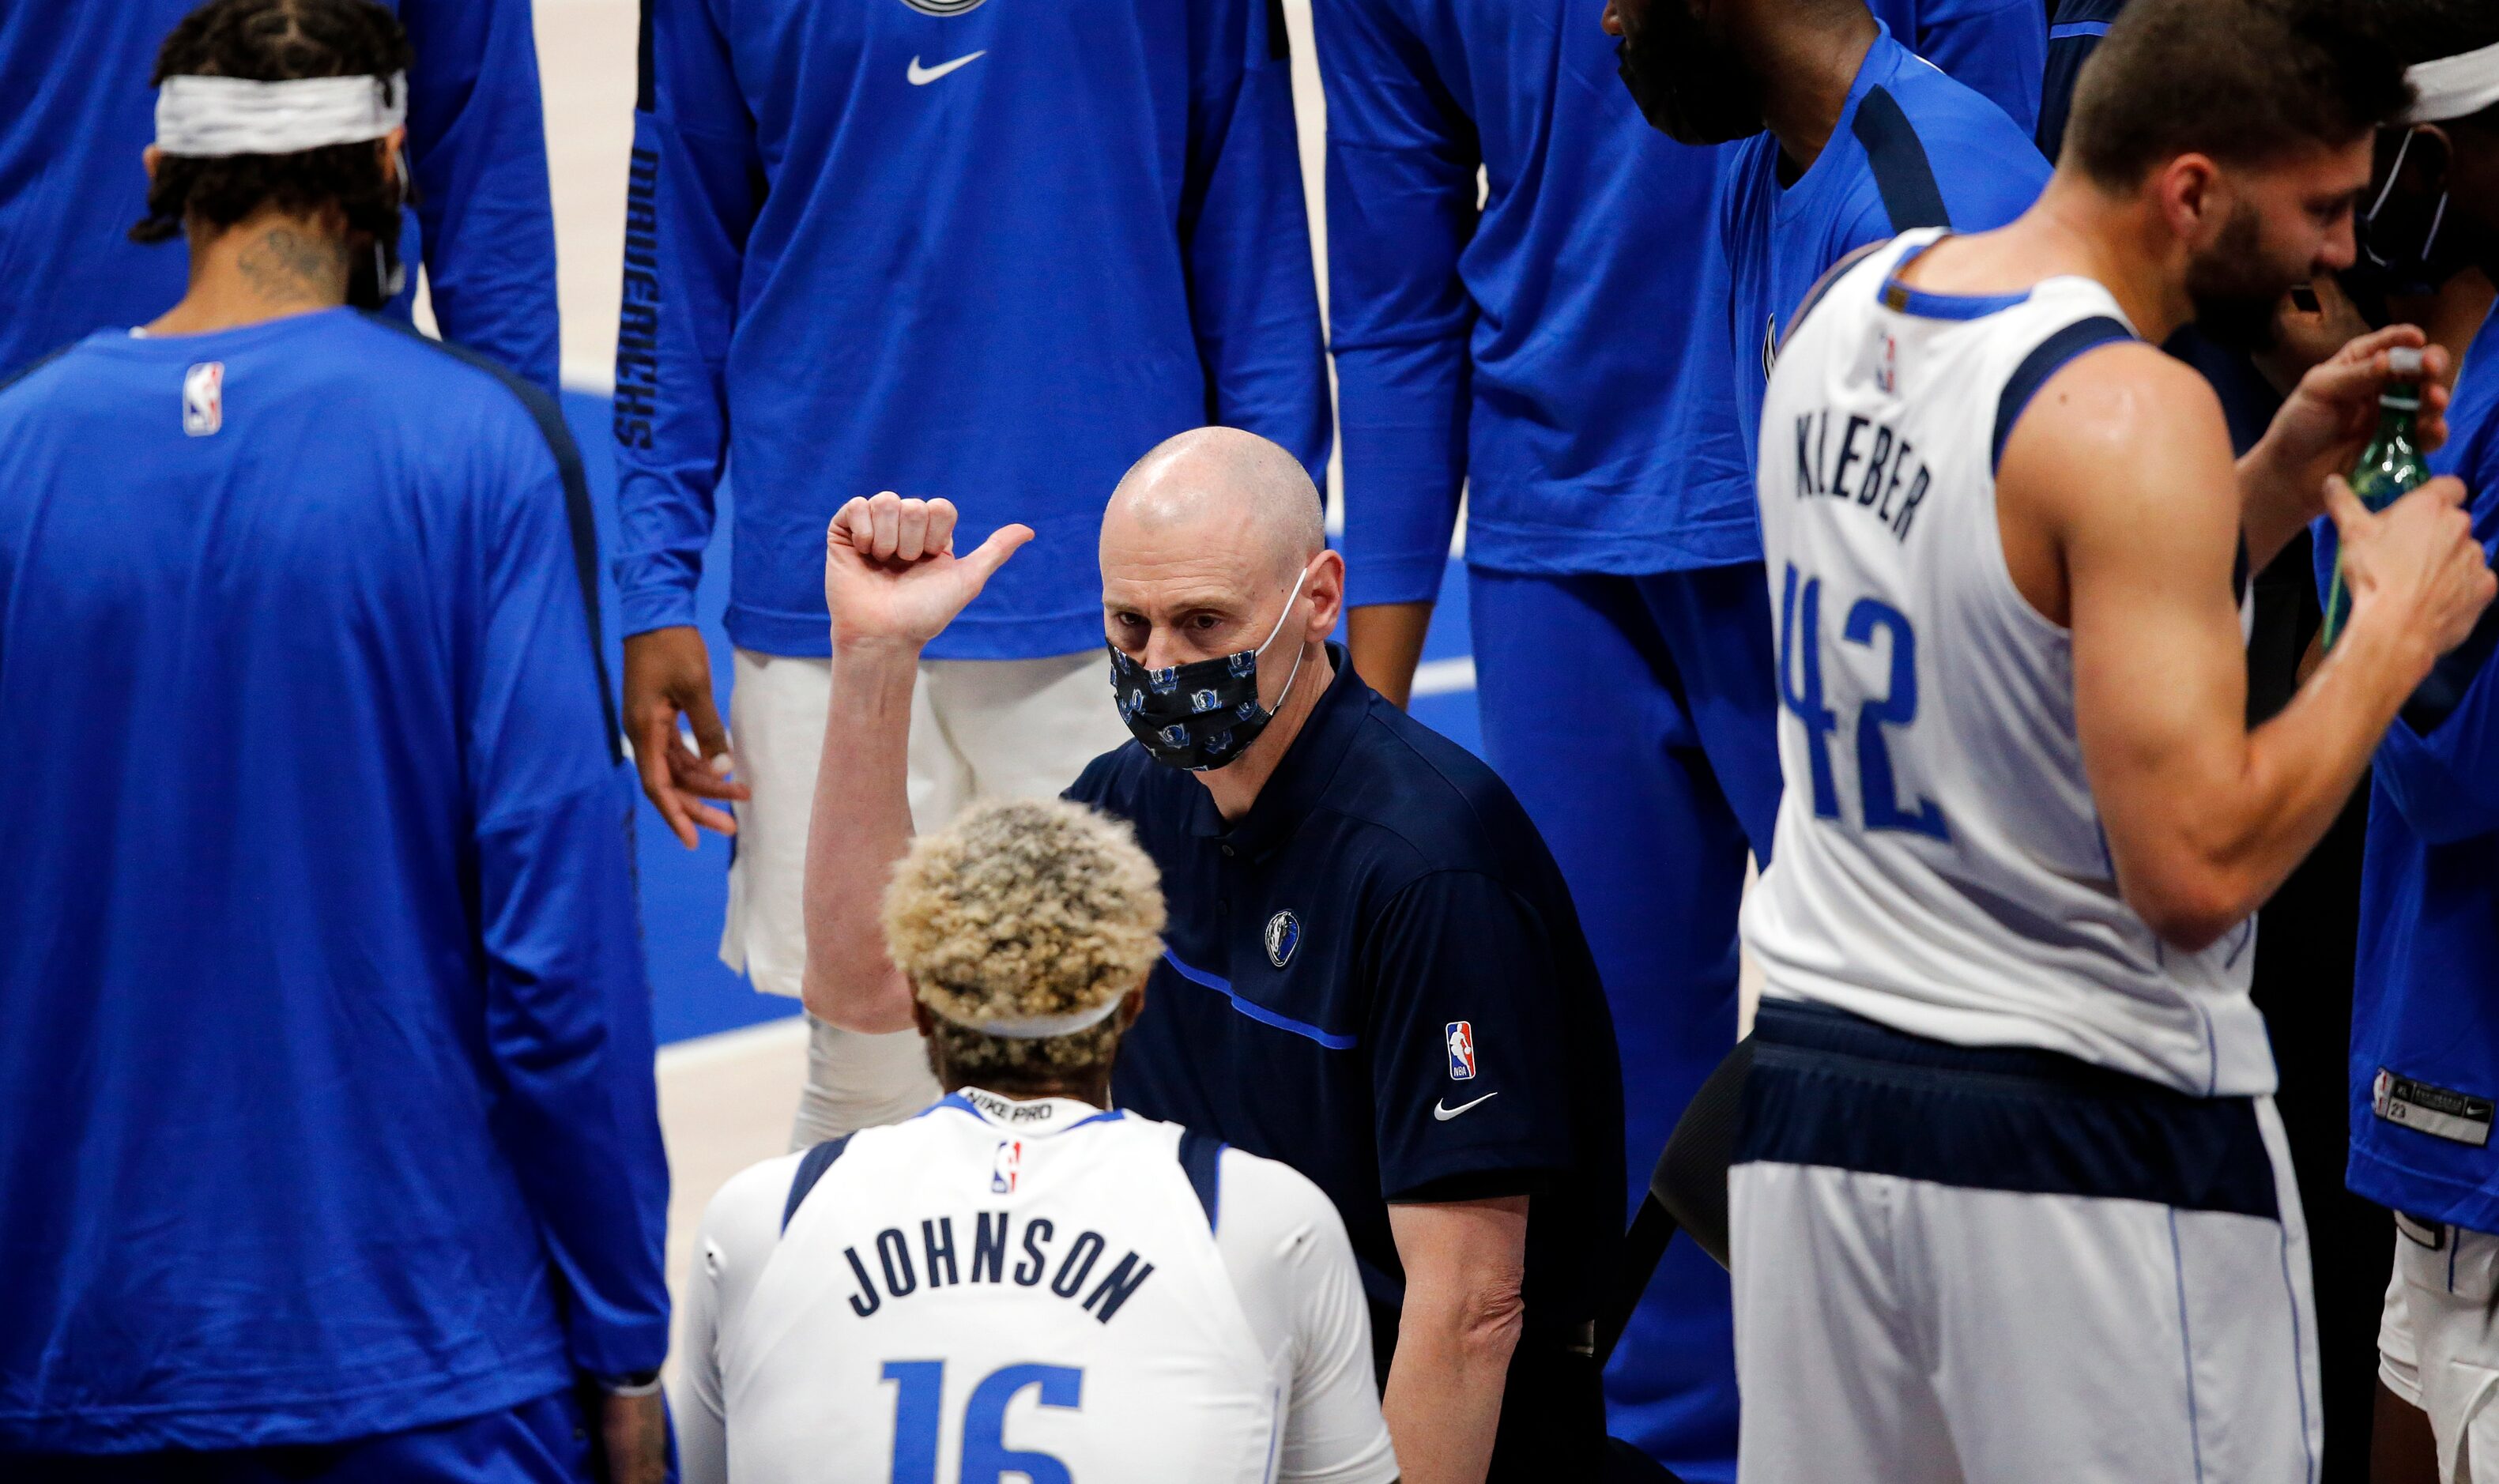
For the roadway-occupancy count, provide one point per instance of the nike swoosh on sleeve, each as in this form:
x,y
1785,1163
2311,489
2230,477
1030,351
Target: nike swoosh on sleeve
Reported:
x,y
1442,1114
921,77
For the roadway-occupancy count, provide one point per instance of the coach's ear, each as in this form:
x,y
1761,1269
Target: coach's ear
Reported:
x,y
1134,1004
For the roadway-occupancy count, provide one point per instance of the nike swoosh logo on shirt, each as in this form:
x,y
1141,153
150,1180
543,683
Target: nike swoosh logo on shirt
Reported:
x,y
921,77
1443,1113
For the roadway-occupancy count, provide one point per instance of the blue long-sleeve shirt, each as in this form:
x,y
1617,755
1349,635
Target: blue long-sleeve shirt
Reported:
x,y
1533,350
1913,148
2425,1000
992,255
326,1099
2071,40
79,110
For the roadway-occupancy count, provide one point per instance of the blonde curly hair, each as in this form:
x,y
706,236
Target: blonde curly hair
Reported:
x,y
1021,910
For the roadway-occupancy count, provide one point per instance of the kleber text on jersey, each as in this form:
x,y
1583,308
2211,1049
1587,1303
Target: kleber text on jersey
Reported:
x,y
1881,475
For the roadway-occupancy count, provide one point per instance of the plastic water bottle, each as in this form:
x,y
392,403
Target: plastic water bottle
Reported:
x,y
2389,467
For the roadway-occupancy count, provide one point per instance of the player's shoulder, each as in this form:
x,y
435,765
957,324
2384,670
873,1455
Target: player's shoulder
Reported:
x,y
42,377
1427,804
1266,1205
744,1214
451,380
2069,429
1128,783
1986,168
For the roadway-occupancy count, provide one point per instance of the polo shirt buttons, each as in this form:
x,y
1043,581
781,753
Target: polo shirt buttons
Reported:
x,y
1227,851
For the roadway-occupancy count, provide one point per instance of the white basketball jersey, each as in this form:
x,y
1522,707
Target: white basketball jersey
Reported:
x,y
1023,1289
1939,865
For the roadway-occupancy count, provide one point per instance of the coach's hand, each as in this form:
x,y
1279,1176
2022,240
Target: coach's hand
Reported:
x,y
890,573
2416,563
667,675
634,1435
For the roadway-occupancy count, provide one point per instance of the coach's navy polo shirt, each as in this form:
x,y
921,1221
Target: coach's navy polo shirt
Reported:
x,y
1377,976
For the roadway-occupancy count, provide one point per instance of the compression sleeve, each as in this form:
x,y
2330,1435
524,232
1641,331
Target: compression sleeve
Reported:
x,y
1402,159
738,1231
1245,232
695,1408
1284,1246
692,189
476,144
568,1004
1997,48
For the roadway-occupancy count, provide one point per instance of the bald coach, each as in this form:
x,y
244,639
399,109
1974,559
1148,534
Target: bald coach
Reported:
x,y
1372,971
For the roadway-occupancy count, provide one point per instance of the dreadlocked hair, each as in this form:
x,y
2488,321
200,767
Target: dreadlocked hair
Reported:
x,y
1022,908
278,41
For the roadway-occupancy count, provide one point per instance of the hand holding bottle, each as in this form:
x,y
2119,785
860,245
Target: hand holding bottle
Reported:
x,y
2413,567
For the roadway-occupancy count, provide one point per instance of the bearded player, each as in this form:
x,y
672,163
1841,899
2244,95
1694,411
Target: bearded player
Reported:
x,y
2010,1197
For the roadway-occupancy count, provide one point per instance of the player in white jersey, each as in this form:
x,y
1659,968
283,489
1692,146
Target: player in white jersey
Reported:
x,y
1021,1280
2010,1201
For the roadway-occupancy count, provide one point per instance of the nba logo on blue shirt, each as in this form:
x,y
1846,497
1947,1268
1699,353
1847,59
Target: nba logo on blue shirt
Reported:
x,y
1461,1037
204,403
1006,1166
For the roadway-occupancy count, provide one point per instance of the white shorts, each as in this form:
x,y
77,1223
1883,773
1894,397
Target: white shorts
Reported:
x,y
980,728
1901,1315
2437,1347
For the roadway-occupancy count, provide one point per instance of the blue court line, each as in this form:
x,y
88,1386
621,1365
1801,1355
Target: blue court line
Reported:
x,y
1256,1011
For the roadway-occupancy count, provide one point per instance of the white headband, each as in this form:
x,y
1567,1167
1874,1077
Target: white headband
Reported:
x,y
216,116
1043,1027
2454,87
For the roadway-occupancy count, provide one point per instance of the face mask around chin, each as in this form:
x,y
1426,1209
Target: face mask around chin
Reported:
x,y
1203,715
1688,88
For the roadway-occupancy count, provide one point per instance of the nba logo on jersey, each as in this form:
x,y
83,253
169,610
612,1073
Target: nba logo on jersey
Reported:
x,y
204,405
1006,1166
1887,371
1461,1037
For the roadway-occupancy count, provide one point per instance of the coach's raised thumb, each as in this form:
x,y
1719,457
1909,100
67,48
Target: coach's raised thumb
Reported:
x,y
992,554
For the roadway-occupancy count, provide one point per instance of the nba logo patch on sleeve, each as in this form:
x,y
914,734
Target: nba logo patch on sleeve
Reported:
x,y
203,402
1461,1038
1007,1166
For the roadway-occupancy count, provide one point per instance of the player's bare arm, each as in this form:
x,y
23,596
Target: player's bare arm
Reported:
x,y
891,583
2120,514
1386,643
1466,1265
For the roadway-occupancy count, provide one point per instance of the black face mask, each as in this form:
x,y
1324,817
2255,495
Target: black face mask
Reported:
x,y
1205,714
1688,88
2412,245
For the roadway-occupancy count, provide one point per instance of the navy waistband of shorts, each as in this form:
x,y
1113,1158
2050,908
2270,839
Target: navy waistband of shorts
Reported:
x,y
1835,1089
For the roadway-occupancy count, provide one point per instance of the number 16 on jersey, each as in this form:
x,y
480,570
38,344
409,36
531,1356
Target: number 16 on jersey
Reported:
x,y
919,1401
1800,691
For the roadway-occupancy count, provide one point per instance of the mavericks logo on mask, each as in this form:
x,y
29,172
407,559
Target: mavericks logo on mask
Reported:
x,y
1204,714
